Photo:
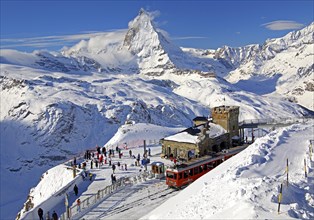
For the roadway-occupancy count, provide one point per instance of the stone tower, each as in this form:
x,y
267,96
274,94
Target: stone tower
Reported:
x,y
228,118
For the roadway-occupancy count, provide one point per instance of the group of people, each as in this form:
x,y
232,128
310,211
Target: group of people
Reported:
x,y
99,160
40,212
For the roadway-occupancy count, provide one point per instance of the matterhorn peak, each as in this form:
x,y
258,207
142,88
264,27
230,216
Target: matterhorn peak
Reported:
x,y
141,32
142,11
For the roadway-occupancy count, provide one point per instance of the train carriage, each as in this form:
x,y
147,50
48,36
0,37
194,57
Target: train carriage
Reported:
x,y
185,173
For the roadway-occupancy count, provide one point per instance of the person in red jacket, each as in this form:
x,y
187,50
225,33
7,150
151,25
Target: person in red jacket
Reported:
x,y
78,203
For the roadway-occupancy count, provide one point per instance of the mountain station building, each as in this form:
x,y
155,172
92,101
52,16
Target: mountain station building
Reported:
x,y
206,136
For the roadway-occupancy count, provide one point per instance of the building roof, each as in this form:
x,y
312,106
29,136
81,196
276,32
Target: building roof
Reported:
x,y
200,118
225,108
190,135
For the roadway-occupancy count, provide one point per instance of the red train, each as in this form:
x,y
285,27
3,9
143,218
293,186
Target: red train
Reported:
x,y
187,172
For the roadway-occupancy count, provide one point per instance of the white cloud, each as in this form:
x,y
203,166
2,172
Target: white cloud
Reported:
x,y
188,38
282,25
50,41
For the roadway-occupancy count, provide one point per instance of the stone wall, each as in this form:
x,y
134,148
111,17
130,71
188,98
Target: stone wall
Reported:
x,y
178,149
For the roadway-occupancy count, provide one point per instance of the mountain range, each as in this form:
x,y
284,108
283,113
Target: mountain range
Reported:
x,y
57,104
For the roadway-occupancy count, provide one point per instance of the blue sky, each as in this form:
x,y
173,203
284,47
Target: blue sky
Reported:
x,y
199,24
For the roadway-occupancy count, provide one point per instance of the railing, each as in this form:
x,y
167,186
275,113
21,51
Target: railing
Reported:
x,y
272,121
75,211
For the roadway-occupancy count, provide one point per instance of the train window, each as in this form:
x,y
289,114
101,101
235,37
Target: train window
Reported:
x,y
211,165
175,176
215,163
180,176
185,174
201,168
171,175
196,169
191,172
205,166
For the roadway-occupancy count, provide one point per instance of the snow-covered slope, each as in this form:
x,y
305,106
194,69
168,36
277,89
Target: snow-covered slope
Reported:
x,y
47,117
247,185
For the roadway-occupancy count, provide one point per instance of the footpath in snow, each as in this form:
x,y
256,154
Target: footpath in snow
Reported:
x,y
132,202
50,193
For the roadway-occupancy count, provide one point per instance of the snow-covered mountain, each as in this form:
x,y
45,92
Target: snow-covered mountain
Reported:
x,y
287,63
54,105
283,65
142,48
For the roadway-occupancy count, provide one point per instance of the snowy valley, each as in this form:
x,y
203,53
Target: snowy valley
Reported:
x,y
55,105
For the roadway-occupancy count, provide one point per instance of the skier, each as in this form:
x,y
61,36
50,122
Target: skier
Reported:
x,y
91,164
130,152
40,214
75,189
